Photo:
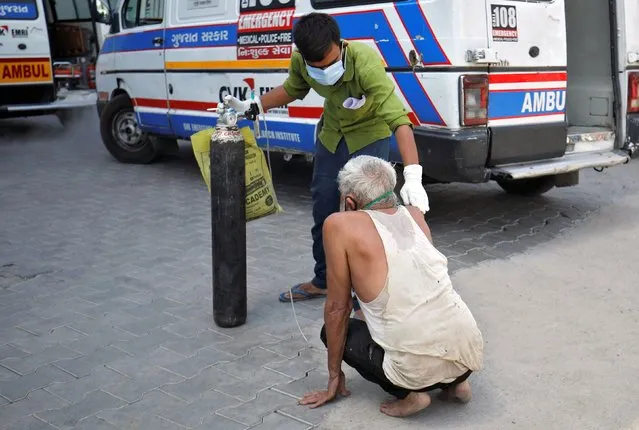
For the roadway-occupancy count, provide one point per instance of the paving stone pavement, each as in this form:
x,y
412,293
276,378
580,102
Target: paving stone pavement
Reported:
x,y
105,285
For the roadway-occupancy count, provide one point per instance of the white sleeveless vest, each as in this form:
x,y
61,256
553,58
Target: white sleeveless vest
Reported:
x,y
426,330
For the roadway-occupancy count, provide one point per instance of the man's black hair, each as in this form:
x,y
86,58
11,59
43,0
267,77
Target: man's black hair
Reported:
x,y
314,34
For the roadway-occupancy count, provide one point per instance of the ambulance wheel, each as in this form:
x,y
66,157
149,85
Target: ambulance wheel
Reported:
x,y
121,133
529,186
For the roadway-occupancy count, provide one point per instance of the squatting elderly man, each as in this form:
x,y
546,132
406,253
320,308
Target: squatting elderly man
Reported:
x,y
417,334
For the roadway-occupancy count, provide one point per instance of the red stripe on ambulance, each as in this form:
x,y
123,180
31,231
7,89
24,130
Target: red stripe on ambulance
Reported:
x,y
24,60
516,78
305,112
152,103
188,105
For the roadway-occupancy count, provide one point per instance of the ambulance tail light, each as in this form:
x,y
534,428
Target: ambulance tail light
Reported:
x,y
474,100
633,92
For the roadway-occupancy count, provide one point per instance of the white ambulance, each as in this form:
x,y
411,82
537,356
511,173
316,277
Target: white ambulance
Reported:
x,y
524,92
48,50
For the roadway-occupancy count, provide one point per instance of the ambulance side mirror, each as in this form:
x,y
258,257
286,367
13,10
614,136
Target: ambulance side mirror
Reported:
x,y
101,11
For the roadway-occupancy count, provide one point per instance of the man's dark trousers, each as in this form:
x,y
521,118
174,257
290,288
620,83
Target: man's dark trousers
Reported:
x,y
367,357
325,192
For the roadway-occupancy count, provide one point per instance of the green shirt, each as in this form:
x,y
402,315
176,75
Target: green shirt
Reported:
x,y
365,75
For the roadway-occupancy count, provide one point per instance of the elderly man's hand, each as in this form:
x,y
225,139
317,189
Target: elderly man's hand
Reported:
x,y
336,385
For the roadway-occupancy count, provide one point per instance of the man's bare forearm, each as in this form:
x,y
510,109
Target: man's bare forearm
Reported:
x,y
336,323
275,98
406,145
338,301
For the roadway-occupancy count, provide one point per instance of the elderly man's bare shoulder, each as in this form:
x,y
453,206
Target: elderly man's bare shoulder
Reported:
x,y
347,223
416,213
418,216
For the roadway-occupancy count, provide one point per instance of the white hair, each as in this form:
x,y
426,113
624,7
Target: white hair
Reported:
x,y
367,178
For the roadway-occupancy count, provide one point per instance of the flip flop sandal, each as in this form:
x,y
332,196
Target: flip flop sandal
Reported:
x,y
297,290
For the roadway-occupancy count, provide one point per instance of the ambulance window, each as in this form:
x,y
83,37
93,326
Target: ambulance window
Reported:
x,y
327,4
71,10
18,9
137,13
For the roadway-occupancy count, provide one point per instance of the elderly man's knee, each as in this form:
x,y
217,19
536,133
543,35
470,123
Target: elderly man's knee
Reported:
x,y
323,335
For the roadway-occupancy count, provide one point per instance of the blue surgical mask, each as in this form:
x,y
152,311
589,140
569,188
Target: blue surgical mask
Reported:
x,y
329,75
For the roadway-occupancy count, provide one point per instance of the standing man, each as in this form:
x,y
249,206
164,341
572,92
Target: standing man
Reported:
x,y
361,112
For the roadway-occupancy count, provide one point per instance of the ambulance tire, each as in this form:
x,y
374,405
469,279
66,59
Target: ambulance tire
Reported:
x,y
117,116
528,187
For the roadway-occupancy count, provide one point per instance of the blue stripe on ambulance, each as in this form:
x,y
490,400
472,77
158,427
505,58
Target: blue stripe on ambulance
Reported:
x,y
374,25
421,33
18,11
208,36
155,123
417,98
282,135
525,103
152,122
139,41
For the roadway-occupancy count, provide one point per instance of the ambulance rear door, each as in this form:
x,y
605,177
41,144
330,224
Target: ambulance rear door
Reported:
x,y
629,28
25,58
527,80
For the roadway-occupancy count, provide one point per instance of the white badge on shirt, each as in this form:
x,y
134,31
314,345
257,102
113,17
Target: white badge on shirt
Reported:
x,y
353,103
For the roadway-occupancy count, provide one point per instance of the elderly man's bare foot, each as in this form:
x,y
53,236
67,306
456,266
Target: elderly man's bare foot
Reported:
x,y
460,393
412,404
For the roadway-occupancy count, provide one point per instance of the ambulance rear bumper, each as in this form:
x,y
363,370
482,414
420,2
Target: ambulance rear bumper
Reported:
x,y
453,155
463,156
568,163
70,100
